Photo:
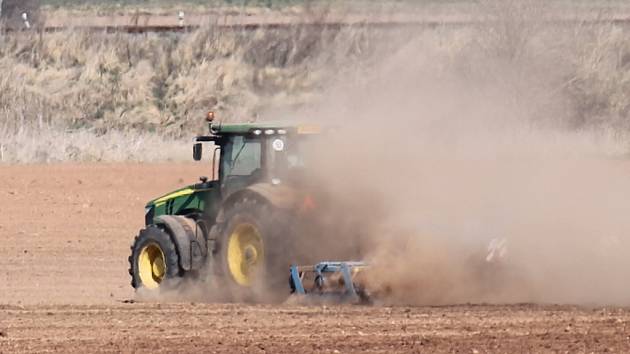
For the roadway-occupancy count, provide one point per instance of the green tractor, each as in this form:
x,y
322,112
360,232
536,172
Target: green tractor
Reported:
x,y
232,228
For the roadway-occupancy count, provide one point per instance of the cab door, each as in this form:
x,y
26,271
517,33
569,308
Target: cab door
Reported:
x,y
241,163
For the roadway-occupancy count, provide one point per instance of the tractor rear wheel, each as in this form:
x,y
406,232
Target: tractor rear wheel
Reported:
x,y
252,255
153,260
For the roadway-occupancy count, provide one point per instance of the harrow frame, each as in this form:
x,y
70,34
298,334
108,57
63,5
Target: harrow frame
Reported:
x,y
349,292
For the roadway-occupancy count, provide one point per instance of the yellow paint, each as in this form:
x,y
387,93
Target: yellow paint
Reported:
x,y
245,253
309,129
164,199
151,266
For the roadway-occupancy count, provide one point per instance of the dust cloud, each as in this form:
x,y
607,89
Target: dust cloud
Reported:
x,y
471,182
464,169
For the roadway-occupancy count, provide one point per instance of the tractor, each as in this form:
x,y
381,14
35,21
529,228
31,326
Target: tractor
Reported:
x,y
237,228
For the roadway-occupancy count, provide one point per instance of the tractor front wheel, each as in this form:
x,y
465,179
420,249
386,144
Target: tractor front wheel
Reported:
x,y
153,260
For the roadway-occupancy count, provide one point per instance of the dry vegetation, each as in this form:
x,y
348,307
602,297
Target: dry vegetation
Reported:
x,y
161,84
81,95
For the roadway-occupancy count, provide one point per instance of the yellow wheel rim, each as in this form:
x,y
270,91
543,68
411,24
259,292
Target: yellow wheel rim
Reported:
x,y
151,266
245,253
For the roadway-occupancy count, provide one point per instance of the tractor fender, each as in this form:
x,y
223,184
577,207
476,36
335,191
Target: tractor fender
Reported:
x,y
279,196
189,240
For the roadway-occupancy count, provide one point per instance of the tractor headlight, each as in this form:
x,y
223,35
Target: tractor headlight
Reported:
x,y
257,132
270,132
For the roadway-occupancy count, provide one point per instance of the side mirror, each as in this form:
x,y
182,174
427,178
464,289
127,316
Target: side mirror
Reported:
x,y
197,151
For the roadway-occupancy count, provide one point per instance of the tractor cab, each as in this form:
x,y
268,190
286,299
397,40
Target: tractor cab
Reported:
x,y
247,154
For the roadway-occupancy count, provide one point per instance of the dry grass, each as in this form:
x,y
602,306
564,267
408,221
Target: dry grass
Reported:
x,y
153,82
77,85
47,145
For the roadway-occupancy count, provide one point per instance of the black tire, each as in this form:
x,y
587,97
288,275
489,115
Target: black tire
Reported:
x,y
149,239
269,282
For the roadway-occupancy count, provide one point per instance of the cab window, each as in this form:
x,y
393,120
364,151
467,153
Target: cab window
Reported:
x,y
245,157
241,161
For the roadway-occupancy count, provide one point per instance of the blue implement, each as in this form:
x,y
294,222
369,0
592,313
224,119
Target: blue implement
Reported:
x,y
331,279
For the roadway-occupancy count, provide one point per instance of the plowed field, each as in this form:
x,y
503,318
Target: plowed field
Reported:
x,y
66,231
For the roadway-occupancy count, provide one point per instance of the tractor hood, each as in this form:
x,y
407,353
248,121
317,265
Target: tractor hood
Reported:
x,y
183,201
184,191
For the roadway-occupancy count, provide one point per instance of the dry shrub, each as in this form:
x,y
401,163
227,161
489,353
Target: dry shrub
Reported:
x,y
97,80
163,83
46,144
600,79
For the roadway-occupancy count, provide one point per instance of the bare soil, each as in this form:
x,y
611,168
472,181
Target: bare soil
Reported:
x,y
66,231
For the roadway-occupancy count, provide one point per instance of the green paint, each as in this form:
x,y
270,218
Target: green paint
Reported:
x,y
244,128
191,199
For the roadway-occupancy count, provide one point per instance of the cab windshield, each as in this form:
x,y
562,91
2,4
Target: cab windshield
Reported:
x,y
241,162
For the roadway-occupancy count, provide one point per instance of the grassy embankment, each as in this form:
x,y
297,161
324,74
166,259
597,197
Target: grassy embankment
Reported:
x,y
77,95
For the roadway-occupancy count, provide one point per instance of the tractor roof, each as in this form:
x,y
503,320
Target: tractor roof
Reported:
x,y
244,128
